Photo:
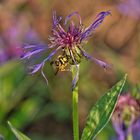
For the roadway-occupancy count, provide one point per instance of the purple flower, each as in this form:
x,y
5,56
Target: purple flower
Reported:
x,y
126,117
12,38
135,130
130,8
66,43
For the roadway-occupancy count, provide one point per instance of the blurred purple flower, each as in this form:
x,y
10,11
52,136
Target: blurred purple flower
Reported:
x,y
12,38
130,8
126,117
68,41
10,45
136,130
31,37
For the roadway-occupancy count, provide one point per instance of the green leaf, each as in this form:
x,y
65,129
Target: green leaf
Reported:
x,y
18,134
101,113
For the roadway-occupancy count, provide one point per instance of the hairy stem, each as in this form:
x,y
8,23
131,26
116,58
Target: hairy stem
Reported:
x,y
75,76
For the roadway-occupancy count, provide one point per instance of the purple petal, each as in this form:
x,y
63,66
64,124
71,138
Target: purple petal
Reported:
x,y
99,19
35,68
36,46
136,125
101,63
52,53
30,53
97,61
39,66
117,124
44,74
135,130
56,20
72,14
29,46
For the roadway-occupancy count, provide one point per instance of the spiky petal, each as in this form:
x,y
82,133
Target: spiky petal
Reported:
x,y
99,19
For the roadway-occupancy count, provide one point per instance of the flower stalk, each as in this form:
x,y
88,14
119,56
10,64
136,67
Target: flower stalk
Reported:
x,y
130,137
75,77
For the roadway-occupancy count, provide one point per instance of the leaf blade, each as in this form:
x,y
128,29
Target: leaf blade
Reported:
x,y
101,113
17,133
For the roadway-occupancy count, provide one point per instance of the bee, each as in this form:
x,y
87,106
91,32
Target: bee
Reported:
x,y
61,63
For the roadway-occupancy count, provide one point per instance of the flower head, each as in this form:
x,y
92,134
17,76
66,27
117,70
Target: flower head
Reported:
x,y
11,38
68,42
126,115
130,8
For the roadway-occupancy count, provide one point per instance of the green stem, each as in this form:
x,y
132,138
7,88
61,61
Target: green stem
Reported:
x,y
130,137
75,74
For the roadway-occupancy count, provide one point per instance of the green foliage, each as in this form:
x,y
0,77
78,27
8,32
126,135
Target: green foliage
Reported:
x,y
101,113
18,134
17,104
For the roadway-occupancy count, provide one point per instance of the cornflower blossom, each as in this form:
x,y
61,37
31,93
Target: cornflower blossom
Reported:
x,y
11,42
130,8
68,41
10,46
126,117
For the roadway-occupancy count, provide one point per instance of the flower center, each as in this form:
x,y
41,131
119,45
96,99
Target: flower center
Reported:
x,y
69,39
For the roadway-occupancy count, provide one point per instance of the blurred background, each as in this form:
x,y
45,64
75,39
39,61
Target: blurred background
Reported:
x,y
44,112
